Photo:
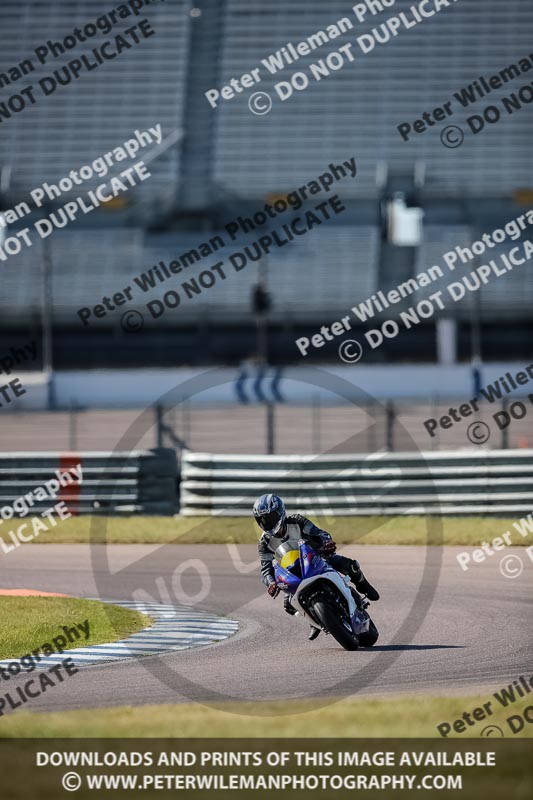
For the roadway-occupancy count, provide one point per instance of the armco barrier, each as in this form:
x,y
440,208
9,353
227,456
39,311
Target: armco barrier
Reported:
x,y
143,481
485,482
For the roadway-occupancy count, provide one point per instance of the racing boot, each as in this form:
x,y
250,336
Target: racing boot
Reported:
x,y
361,583
314,633
288,606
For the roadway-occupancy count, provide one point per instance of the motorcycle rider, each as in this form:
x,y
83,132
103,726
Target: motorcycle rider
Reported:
x,y
269,513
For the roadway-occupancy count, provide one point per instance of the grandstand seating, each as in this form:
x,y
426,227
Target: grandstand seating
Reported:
x,y
516,286
310,276
317,277
103,107
354,113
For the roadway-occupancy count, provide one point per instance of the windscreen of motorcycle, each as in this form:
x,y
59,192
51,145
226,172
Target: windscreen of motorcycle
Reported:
x,y
287,554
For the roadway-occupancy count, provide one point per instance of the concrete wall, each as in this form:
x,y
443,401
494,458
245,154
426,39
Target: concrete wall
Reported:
x,y
141,388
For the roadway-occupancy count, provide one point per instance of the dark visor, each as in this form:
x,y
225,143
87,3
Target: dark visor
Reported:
x,y
268,521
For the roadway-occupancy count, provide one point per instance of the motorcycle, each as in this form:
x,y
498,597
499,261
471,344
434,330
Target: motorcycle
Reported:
x,y
323,595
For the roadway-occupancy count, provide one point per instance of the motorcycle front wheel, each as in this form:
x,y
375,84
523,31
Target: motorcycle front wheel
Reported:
x,y
370,638
331,622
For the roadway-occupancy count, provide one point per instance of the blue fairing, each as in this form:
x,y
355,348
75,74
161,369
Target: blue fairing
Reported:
x,y
310,564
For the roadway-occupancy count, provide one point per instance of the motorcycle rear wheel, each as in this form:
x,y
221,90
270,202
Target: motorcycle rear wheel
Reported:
x,y
331,622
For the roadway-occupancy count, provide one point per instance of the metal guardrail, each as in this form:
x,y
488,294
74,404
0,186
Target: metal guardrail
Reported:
x,y
486,482
143,481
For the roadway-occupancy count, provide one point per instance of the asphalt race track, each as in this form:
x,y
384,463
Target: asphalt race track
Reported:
x,y
442,630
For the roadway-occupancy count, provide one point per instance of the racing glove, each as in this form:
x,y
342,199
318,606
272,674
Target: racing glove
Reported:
x,y
273,590
328,548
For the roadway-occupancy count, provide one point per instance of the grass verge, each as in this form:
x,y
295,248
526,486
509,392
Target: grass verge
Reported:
x,y
394,717
460,531
26,623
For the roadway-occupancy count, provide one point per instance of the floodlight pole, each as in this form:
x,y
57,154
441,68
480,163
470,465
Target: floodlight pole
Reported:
x,y
46,318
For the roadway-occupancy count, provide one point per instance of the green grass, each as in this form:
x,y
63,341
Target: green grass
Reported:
x,y
394,717
26,623
462,531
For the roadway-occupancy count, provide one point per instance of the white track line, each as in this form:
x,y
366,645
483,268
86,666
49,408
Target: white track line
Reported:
x,y
175,628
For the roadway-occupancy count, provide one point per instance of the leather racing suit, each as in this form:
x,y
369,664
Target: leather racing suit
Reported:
x,y
299,527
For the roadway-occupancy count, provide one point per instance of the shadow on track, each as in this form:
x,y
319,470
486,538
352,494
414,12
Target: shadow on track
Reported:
x,y
385,647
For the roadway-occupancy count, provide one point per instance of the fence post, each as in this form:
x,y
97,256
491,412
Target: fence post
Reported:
x,y
435,441
372,432
390,418
315,434
159,425
505,431
73,428
270,422
186,422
